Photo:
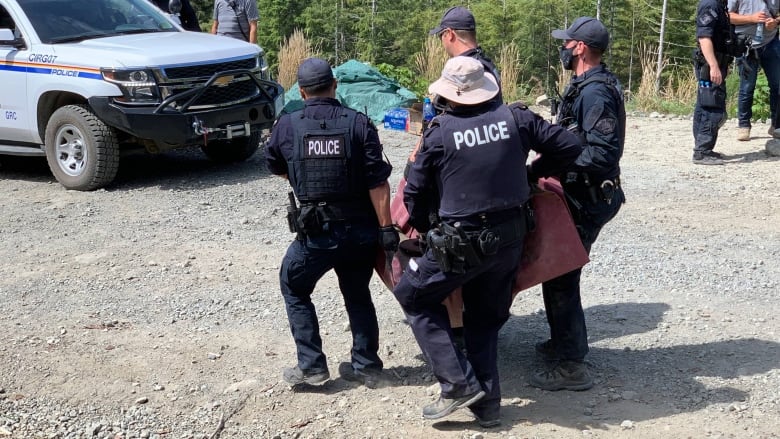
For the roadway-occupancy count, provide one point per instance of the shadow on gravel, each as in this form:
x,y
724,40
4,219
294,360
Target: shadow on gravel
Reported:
x,y
635,384
33,169
186,169
748,157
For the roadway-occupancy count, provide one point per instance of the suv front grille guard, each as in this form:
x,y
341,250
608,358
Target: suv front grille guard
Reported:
x,y
222,89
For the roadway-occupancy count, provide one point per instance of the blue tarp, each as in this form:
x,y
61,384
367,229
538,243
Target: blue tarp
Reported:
x,y
361,88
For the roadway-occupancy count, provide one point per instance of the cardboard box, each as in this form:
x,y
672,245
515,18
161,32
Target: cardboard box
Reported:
x,y
397,119
415,119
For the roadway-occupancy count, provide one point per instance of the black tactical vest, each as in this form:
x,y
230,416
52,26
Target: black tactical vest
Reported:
x,y
566,116
483,159
323,167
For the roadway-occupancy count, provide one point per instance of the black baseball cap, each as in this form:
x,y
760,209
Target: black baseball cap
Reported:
x,y
586,29
456,17
314,71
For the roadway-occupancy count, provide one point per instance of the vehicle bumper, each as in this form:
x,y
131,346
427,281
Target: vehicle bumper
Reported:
x,y
182,128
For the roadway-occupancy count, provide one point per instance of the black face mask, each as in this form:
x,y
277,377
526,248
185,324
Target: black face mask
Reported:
x,y
567,57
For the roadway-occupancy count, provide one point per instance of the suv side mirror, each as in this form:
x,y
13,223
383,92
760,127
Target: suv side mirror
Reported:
x,y
7,38
174,6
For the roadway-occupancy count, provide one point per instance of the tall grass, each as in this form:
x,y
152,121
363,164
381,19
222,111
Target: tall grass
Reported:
x,y
646,96
564,78
677,95
292,52
430,61
509,66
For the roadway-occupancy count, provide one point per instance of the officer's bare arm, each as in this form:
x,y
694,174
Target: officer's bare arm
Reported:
x,y
708,50
380,198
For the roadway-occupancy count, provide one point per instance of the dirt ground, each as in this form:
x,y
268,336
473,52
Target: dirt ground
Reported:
x,y
151,309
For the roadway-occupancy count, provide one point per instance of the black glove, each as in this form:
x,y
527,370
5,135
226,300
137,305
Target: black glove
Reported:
x,y
532,179
388,238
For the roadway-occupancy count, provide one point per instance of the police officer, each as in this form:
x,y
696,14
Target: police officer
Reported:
x,y
471,170
458,33
711,66
333,159
592,107
187,15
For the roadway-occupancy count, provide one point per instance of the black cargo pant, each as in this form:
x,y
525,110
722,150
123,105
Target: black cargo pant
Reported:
x,y
487,296
352,258
562,301
709,114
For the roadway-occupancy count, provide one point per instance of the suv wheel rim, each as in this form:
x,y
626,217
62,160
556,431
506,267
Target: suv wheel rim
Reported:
x,y
70,149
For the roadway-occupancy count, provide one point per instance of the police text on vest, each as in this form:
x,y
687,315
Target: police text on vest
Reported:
x,y
481,135
324,146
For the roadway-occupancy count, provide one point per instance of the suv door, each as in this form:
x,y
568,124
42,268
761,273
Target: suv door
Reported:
x,y
15,118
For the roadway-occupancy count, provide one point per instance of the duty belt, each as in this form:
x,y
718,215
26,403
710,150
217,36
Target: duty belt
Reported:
x,y
596,189
456,249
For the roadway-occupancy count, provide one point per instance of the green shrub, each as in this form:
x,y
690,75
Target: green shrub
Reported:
x,y
761,110
405,77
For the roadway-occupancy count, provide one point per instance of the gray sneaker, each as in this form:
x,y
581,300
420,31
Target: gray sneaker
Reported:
x,y
444,406
565,375
294,376
706,159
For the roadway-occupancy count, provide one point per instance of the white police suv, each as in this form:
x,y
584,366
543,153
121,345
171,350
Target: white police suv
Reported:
x,y
81,80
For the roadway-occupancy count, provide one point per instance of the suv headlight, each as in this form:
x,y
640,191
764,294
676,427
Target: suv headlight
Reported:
x,y
138,86
263,66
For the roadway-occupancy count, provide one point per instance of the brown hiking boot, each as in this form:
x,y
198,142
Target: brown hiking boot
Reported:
x,y
743,134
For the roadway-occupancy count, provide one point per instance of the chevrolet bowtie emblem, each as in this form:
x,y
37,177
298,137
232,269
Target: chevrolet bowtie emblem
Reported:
x,y
223,81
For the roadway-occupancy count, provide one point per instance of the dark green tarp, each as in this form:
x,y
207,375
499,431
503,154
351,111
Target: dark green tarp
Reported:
x,y
361,88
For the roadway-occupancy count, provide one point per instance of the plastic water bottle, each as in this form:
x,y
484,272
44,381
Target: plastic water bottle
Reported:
x,y
758,38
428,112
704,76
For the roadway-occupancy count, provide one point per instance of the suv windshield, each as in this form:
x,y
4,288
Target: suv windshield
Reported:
x,y
60,21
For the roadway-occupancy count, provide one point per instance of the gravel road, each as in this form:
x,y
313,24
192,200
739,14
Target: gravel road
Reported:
x,y
151,309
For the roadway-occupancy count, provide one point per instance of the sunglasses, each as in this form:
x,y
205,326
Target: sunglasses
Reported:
x,y
566,43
